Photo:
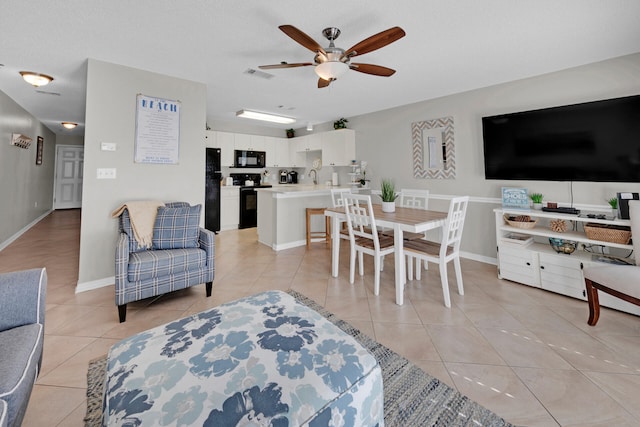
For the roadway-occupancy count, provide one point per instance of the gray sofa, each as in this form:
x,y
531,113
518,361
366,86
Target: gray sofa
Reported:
x,y
22,306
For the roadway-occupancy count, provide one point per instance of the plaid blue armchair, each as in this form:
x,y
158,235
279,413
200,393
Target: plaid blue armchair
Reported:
x,y
182,255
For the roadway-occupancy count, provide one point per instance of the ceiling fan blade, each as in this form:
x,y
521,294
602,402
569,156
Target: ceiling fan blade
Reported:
x,y
376,70
323,83
302,38
284,65
375,42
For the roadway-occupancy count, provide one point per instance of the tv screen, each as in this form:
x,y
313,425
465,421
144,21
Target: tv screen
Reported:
x,y
594,141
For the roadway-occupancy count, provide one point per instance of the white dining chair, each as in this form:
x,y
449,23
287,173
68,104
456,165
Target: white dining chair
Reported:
x,y
448,249
416,199
364,236
337,202
621,281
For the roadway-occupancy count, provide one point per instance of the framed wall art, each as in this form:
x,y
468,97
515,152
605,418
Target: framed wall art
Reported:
x,y
39,150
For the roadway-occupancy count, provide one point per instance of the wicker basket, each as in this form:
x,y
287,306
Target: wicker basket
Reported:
x,y
520,224
608,233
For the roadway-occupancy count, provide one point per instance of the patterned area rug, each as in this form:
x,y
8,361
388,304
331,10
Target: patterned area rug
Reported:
x,y
411,396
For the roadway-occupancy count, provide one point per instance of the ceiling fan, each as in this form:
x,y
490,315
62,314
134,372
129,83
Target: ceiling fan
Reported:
x,y
332,62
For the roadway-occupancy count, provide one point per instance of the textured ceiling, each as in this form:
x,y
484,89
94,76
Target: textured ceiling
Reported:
x,y
450,47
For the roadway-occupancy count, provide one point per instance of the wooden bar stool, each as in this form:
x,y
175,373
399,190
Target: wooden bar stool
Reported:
x,y
326,233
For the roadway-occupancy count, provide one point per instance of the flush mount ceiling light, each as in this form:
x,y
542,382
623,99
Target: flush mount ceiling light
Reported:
x,y
36,79
255,115
69,125
331,70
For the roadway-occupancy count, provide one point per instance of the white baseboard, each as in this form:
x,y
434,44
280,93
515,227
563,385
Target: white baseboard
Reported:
x,y
23,230
479,258
95,284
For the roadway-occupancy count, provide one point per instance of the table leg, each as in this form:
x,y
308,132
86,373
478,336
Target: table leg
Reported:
x,y
335,245
399,262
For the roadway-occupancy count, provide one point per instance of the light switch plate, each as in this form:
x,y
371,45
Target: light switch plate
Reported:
x,y
106,173
108,146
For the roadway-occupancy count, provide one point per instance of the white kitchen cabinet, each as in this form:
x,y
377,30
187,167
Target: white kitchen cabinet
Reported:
x,y
338,147
242,141
277,152
229,207
210,139
537,264
311,142
226,143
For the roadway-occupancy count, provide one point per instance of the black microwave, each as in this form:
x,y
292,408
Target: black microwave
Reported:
x,y
249,159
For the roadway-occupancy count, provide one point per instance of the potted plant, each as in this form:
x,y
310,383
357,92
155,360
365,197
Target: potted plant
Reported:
x,y
364,181
613,202
388,196
291,133
536,198
341,123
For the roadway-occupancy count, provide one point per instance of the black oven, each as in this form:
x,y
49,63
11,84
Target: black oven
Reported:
x,y
249,159
248,197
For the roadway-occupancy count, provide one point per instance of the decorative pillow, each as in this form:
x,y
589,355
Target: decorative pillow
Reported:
x,y
177,228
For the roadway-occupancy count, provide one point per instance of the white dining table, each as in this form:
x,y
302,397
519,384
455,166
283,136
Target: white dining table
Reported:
x,y
403,219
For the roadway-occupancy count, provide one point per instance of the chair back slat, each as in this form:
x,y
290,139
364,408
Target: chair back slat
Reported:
x,y
452,233
336,196
418,199
360,218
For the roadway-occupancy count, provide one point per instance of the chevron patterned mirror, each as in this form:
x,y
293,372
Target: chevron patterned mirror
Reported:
x,y
433,149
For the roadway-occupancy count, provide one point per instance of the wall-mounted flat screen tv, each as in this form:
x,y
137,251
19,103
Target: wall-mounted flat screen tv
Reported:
x,y
594,141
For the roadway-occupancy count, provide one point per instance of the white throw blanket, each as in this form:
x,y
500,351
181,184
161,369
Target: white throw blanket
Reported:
x,y
143,217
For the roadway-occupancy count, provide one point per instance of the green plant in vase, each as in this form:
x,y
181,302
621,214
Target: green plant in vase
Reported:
x,y
388,196
536,198
613,202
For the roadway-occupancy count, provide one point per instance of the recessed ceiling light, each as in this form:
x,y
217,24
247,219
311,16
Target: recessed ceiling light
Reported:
x,y
255,115
69,125
36,79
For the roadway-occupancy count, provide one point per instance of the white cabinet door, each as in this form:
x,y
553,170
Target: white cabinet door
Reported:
x,y
314,142
229,208
277,150
226,142
210,139
338,147
562,274
297,154
519,265
242,141
256,143
270,151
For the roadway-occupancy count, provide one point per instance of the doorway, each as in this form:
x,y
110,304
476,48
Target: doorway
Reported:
x,y
69,174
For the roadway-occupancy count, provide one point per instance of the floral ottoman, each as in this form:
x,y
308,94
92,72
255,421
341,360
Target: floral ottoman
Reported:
x,y
264,360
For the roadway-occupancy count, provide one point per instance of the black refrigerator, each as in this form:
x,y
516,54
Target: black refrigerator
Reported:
x,y
212,190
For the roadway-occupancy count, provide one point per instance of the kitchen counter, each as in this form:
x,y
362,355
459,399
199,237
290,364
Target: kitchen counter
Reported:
x,y
299,190
282,213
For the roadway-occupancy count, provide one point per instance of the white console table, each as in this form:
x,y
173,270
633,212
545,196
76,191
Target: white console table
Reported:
x,y
537,264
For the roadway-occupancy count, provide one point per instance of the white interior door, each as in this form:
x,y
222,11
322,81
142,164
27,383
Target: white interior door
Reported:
x,y
69,167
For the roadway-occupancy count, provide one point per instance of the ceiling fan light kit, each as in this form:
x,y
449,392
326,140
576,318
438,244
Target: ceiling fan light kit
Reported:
x,y
333,62
36,79
331,70
265,117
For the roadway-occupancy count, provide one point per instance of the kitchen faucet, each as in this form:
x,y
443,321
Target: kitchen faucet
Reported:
x,y
315,176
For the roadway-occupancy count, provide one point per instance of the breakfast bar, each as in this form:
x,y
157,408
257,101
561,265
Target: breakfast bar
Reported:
x,y
282,219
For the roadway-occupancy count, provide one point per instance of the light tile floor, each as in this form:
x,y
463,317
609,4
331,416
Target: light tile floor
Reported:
x,y
522,352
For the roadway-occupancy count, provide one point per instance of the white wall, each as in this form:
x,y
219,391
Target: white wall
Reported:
x,y
384,140
110,117
23,184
